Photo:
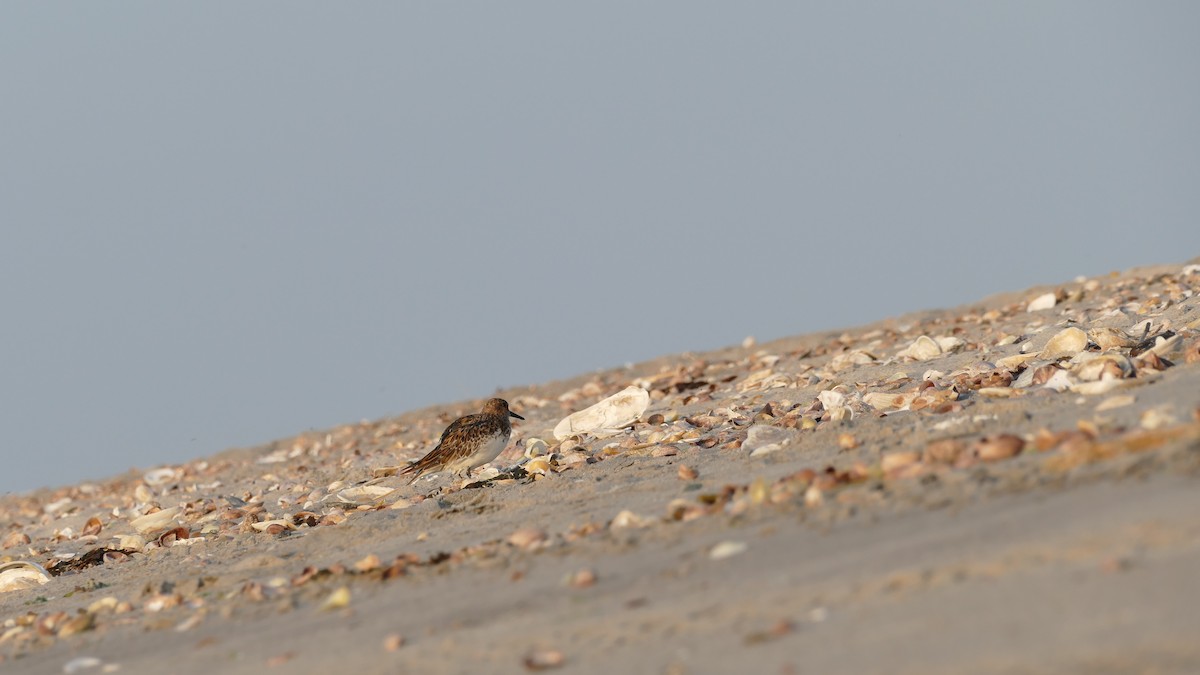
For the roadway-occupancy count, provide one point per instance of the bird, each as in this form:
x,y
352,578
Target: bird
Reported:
x,y
469,442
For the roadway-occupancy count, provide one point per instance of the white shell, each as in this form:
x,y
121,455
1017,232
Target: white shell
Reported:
x,y
21,574
628,518
155,521
727,549
1014,362
1044,301
881,400
607,417
1068,342
363,494
831,399
925,347
160,476
762,439
1103,367
535,447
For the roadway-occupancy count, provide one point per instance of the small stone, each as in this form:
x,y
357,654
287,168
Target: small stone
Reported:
x,y
582,579
393,642
544,659
686,472
17,538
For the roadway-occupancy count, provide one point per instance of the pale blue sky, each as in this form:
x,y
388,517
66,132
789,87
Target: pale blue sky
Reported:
x,y
225,223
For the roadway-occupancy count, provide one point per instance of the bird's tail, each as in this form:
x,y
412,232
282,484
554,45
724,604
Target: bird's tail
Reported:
x,y
414,469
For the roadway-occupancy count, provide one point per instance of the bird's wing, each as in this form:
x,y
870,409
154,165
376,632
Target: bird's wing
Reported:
x,y
436,457
458,425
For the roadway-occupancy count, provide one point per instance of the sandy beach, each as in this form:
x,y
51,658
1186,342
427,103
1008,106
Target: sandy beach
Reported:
x,y
1010,486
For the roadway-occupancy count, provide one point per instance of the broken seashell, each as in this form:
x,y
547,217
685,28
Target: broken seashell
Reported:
x,y
1163,346
1000,446
535,447
338,599
528,538
1113,338
1157,418
160,476
944,451
130,542
17,538
841,414
362,494
367,563
831,398
899,459
629,519
606,417
538,465
274,526
813,496
884,401
762,439
1015,362
727,549
1099,387
1044,301
385,471
1067,342
92,527
1103,367
925,347
846,360
1058,379
106,604
22,574
152,522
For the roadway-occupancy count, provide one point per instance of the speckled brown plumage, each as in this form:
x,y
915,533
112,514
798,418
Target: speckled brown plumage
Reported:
x,y
469,442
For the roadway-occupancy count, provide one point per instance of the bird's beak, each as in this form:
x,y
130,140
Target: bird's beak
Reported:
x,y
513,414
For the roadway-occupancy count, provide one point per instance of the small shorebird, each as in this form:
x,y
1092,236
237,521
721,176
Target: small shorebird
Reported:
x,y
469,442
